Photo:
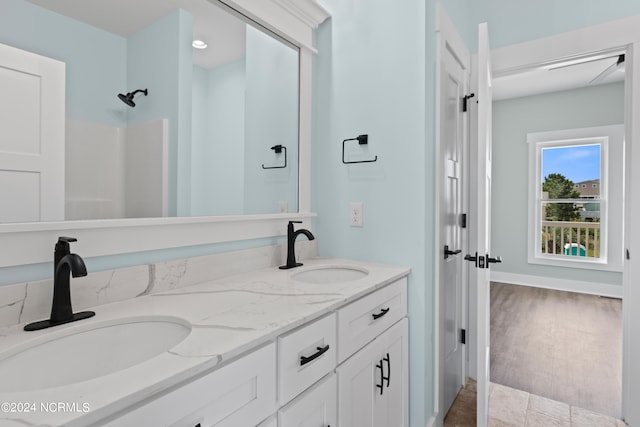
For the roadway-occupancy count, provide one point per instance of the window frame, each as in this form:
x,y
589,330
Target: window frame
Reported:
x,y
610,255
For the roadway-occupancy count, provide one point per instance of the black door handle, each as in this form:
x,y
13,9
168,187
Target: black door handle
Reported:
x,y
448,252
379,315
472,258
306,359
381,385
388,377
494,260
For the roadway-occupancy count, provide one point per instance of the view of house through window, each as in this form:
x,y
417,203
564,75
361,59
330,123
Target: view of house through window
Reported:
x,y
570,202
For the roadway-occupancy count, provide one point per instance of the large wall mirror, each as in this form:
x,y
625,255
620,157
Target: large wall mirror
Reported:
x,y
203,132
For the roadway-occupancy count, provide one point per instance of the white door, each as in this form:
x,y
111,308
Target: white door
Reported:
x,y
32,122
482,258
452,91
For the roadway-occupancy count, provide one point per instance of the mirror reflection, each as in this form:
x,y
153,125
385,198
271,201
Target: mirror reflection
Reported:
x,y
156,124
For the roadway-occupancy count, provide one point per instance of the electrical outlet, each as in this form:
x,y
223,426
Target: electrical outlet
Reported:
x,y
355,214
283,207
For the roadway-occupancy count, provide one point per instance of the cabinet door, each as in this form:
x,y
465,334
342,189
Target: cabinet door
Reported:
x,y
316,407
356,390
393,410
372,384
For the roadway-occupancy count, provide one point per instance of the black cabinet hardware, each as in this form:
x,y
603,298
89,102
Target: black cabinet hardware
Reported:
x,y
388,377
448,253
379,315
381,385
321,350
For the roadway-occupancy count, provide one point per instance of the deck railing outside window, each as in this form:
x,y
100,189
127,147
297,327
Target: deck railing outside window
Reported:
x,y
571,238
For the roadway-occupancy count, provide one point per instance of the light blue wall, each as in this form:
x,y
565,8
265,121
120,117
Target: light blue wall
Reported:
x,y
159,58
271,118
95,58
374,74
218,144
512,120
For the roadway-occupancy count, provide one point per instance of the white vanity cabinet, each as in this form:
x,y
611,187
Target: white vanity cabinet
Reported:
x,y
373,382
242,393
348,368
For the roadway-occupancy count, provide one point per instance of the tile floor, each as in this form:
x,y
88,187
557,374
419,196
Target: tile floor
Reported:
x,y
509,407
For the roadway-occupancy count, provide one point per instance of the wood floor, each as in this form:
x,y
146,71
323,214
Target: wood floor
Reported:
x,y
558,345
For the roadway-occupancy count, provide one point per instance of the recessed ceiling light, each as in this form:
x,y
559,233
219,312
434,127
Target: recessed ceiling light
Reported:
x,y
199,44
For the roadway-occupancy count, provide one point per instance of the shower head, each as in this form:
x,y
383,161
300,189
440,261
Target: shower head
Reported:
x,y
128,98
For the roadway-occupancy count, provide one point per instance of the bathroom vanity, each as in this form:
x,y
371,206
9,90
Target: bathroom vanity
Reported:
x,y
325,342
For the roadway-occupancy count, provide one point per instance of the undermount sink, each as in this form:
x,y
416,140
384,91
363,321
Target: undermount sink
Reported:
x,y
330,274
70,356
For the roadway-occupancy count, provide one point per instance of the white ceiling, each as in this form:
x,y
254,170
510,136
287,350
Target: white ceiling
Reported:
x,y
555,77
223,32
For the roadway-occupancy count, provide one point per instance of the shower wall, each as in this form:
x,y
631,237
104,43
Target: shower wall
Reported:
x,y
115,171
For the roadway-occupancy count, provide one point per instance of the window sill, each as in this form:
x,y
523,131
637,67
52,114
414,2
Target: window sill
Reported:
x,y
570,261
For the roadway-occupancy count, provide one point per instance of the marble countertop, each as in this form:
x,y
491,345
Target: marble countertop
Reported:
x,y
228,317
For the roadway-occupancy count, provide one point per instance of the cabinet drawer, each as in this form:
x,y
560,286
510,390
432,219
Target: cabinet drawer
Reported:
x,y
362,320
317,406
239,394
304,356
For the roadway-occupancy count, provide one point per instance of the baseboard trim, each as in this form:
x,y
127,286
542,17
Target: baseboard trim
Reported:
x,y
592,288
432,421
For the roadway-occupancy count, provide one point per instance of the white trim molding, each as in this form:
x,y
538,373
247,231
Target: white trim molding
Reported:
x,y
292,20
611,200
591,288
32,243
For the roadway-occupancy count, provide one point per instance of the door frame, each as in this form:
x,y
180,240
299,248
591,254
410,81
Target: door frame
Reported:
x,y
619,33
449,39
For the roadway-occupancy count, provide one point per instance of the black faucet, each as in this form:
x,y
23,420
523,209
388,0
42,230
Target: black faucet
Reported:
x,y
291,243
64,263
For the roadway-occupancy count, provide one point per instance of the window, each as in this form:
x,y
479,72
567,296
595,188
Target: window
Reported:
x,y
572,219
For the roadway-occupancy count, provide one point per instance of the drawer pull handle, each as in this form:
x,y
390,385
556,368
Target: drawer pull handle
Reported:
x,y
381,385
388,377
321,350
382,313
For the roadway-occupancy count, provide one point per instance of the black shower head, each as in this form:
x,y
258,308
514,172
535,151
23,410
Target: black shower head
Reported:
x,y
128,98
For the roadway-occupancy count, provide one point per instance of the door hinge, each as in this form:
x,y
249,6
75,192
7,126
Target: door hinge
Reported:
x,y
463,220
465,101
628,254
463,336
